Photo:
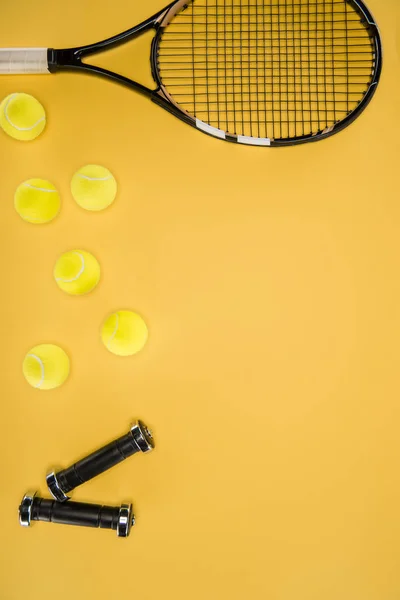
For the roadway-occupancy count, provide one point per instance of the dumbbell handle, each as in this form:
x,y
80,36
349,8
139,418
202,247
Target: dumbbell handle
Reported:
x,y
118,518
61,482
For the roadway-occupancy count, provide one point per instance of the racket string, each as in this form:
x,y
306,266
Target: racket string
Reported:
x,y
267,68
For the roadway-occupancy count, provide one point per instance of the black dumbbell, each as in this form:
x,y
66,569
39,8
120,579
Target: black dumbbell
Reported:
x,y
139,439
118,518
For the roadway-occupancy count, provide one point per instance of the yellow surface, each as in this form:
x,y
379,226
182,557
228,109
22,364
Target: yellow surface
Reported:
x,y
270,283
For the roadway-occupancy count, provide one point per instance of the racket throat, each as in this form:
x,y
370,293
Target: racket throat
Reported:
x,y
70,60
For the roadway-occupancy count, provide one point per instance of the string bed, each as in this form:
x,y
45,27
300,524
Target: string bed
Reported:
x,y
278,69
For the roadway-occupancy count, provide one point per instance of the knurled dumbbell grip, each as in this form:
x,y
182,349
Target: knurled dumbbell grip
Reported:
x,y
139,438
75,513
99,461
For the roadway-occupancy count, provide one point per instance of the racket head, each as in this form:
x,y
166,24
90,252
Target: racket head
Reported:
x,y
271,73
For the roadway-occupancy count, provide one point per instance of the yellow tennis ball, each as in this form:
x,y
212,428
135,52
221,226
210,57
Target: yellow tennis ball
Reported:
x,y
22,116
94,187
77,272
46,366
124,333
37,201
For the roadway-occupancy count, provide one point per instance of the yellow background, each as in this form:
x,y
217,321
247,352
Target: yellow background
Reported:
x,y
270,282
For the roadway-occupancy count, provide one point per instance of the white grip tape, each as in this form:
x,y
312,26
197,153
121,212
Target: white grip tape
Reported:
x,y
23,60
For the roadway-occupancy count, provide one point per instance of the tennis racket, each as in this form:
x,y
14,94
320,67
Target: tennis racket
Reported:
x,y
260,72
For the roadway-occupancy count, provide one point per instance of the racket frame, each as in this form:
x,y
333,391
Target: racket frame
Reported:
x,y
70,59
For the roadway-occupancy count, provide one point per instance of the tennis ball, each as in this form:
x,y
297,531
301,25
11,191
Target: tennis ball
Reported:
x,y
22,116
77,272
46,366
37,201
124,333
93,187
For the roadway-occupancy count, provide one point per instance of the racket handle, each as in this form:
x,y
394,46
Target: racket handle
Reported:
x,y
138,439
23,60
